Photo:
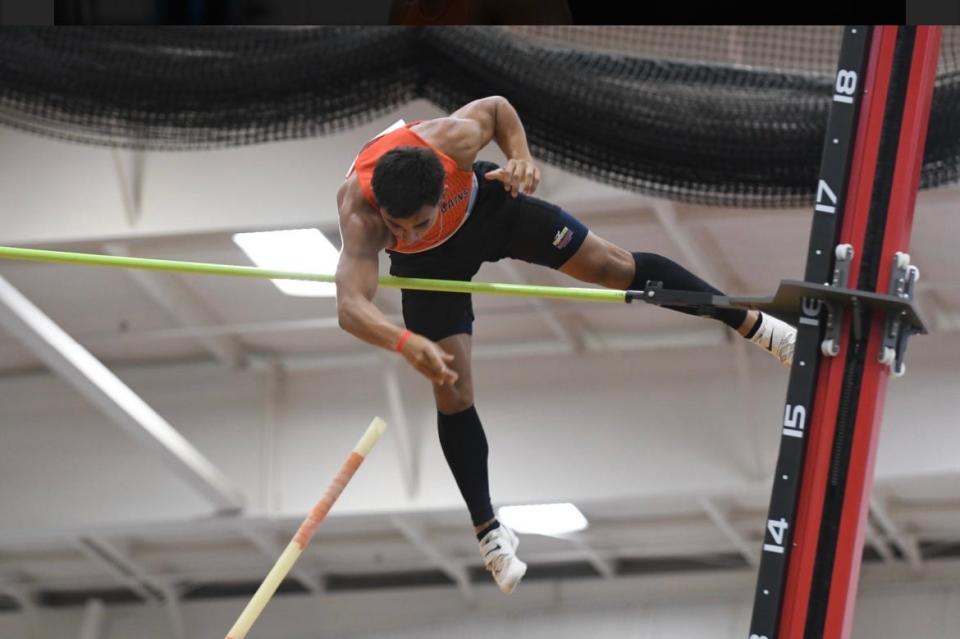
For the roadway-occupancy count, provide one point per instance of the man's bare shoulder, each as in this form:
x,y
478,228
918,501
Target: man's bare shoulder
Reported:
x,y
459,138
360,223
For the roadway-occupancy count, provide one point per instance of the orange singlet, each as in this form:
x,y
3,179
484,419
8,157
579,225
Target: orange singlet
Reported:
x,y
459,186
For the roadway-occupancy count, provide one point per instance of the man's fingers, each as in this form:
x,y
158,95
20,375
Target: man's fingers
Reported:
x,y
439,367
442,376
529,177
438,377
502,176
518,178
432,364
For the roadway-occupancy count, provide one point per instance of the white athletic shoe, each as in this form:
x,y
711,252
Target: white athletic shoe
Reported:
x,y
499,551
777,338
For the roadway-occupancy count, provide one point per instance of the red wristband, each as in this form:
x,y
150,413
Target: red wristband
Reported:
x,y
404,336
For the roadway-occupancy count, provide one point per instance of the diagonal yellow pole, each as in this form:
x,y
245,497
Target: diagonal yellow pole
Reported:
x,y
309,526
203,268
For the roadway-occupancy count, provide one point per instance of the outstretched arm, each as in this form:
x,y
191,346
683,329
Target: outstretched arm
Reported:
x,y
357,279
357,274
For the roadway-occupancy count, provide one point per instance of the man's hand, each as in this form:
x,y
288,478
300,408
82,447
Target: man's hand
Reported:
x,y
517,175
429,359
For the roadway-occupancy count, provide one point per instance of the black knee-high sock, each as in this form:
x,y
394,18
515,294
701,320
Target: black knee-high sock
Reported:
x,y
465,447
651,266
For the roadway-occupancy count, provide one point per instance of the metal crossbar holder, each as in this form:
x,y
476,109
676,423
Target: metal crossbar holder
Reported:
x,y
896,331
654,293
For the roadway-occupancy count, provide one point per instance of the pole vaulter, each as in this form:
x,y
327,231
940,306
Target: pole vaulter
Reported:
x,y
854,310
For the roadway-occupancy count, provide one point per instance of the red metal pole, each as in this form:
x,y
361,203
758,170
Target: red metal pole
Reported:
x,y
823,421
906,180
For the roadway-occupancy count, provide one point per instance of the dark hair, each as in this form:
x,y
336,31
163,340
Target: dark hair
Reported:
x,y
406,179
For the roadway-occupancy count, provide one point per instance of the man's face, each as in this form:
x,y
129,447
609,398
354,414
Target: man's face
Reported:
x,y
410,229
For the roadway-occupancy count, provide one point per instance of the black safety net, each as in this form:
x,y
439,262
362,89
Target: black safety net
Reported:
x,y
721,115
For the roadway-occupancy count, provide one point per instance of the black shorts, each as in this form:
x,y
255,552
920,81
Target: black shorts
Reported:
x,y
525,228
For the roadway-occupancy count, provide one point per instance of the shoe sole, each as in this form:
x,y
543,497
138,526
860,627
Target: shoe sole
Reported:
x,y
509,588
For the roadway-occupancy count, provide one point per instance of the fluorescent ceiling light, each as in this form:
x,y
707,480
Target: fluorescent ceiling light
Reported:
x,y
543,519
293,250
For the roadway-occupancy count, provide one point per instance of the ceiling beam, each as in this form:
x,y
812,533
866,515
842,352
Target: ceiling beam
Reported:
x,y
31,612
129,168
601,564
907,544
184,306
174,612
407,448
709,267
116,564
593,343
75,365
693,256
542,309
878,543
91,625
416,536
722,521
